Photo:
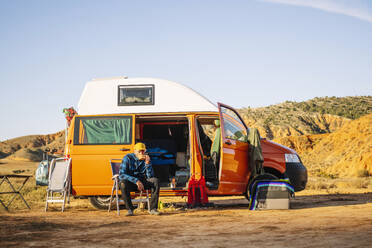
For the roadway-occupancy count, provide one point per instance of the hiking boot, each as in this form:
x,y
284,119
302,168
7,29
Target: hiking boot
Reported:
x,y
130,213
154,212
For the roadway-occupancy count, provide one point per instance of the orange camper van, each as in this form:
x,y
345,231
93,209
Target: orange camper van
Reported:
x,y
186,136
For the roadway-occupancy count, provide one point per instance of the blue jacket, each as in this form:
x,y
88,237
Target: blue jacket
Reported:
x,y
133,169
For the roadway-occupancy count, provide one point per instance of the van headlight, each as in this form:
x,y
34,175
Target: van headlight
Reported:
x,y
291,158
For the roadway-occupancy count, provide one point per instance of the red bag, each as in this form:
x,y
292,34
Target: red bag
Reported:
x,y
197,193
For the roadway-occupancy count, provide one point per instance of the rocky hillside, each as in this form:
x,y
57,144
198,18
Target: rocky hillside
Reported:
x,y
315,116
345,152
30,148
326,132
349,107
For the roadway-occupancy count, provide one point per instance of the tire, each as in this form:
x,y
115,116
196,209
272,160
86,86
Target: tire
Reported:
x,y
265,176
102,202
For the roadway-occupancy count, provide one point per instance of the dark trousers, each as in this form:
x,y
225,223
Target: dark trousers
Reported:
x,y
151,183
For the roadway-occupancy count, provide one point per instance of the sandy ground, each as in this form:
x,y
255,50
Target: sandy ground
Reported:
x,y
314,220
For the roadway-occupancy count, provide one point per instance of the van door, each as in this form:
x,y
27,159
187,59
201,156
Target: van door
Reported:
x,y
97,139
234,170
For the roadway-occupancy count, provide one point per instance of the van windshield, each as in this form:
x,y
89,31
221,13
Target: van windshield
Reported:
x,y
110,130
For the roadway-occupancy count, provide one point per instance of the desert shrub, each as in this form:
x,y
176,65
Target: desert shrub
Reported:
x,y
355,183
343,185
3,154
349,107
359,183
362,173
320,184
324,174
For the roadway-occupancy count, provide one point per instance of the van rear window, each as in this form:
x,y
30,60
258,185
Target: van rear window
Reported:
x,y
103,131
136,95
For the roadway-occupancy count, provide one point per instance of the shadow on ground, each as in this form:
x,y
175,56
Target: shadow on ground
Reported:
x,y
302,202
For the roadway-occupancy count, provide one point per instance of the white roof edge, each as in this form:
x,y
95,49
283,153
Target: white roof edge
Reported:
x,y
101,97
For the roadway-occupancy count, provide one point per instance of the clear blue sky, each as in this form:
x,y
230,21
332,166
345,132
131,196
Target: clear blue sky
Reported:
x,y
242,53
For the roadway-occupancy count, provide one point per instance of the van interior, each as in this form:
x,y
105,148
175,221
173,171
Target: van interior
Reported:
x,y
168,145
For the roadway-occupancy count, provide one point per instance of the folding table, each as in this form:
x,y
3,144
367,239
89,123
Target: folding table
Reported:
x,y
5,178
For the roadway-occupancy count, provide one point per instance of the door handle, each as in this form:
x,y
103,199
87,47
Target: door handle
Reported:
x,y
227,142
124,149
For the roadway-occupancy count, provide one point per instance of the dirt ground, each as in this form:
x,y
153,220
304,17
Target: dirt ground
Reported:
x,y
314,220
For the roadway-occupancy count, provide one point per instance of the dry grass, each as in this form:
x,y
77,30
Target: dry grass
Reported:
x,y
35,195
338,185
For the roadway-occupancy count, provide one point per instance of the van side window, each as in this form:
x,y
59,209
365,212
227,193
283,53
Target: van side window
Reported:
x,y
136,95
233,126
103,130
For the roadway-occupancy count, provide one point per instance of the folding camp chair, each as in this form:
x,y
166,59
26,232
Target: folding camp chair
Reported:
x,y
59,182
115,166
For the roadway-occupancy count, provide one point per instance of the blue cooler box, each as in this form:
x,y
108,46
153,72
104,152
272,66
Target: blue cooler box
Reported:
x,y
271,194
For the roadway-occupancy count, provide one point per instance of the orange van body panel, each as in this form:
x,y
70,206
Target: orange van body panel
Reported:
x,y
91,171
234,170
273,156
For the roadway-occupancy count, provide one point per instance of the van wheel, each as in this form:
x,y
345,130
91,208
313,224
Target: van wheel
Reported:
x,y
265,176
101,202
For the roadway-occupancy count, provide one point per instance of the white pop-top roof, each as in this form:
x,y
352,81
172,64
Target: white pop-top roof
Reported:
x,y
101,97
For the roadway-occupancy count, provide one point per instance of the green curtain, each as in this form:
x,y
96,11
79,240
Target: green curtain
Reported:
x,y
108,131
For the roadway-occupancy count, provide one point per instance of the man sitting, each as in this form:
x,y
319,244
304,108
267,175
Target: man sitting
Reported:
x,y
136,172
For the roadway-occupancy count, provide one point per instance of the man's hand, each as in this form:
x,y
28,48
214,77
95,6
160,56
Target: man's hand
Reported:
x,y
147,159
140,185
